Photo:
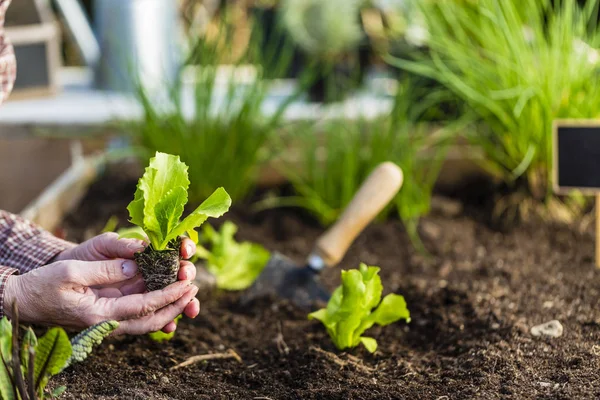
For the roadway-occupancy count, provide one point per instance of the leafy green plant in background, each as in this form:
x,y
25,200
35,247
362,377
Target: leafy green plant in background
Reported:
x,y
223,136
332,163
356,306
518,64
235,265
27,368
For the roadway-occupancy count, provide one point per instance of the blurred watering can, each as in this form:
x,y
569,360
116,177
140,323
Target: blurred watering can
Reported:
x,y
135,41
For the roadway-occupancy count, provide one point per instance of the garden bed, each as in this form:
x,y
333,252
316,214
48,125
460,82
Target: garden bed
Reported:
x,y
472,306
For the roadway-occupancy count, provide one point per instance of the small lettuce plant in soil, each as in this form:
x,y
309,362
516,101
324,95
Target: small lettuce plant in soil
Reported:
x,y
27,367
157,207
356,306
235,265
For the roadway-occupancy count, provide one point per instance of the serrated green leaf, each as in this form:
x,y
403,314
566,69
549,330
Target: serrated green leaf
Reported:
x,y
373,286
170,208
392,308
136,208
369,343
83,344
235,265
134,232
320,315
165,179
215,206
52,354
351,310
164,173
193,235
6,387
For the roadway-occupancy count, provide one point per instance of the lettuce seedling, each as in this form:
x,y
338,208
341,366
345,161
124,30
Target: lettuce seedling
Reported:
x,y
157,207
235,265
26,369
351,309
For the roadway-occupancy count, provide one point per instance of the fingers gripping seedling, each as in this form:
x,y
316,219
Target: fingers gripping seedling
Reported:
x,y
351,309
157,207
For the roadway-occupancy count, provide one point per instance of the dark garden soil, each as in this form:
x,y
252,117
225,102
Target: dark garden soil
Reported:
x,y
472,305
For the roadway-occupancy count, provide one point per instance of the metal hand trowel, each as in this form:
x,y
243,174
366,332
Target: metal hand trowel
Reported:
x,y
300,283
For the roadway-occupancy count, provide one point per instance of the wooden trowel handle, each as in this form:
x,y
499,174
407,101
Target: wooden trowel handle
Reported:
x,y
375,193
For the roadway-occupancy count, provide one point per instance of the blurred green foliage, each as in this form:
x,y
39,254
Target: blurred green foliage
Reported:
x,y
518,65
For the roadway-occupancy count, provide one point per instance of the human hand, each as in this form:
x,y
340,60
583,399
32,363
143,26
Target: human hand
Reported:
x,y
74,294
108,246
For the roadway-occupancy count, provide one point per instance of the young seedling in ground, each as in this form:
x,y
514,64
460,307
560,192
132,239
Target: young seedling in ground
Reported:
x,y
157,207
235,265
351,309
25,370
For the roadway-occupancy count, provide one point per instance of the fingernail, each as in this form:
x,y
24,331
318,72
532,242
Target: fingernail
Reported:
x,y
129,268
135,246
188,249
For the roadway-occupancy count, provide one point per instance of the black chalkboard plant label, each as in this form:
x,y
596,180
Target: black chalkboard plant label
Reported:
x,y
576,161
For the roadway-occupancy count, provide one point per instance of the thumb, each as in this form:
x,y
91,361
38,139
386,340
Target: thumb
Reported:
x,y
109,245
90,273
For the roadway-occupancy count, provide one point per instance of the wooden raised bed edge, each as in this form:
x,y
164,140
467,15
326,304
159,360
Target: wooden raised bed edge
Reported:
x,y
65,193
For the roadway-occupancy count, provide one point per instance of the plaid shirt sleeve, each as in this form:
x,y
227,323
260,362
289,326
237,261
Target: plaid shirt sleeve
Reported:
x,y
8,64
24,247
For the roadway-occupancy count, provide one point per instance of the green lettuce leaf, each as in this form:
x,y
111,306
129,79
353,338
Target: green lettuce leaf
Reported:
x,y
136,208
215,206
134,232
160,199
356,306
169,209
235,265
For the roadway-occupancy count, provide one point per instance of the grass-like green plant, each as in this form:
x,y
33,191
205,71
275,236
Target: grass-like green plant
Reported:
x,y
27,367
518,64
356,306
223,137
336,157
235,265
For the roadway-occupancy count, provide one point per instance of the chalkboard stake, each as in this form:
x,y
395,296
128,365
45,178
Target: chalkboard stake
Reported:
x,y
598,230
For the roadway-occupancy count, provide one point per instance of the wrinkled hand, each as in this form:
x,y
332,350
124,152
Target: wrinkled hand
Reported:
x,y
108,246
96,281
